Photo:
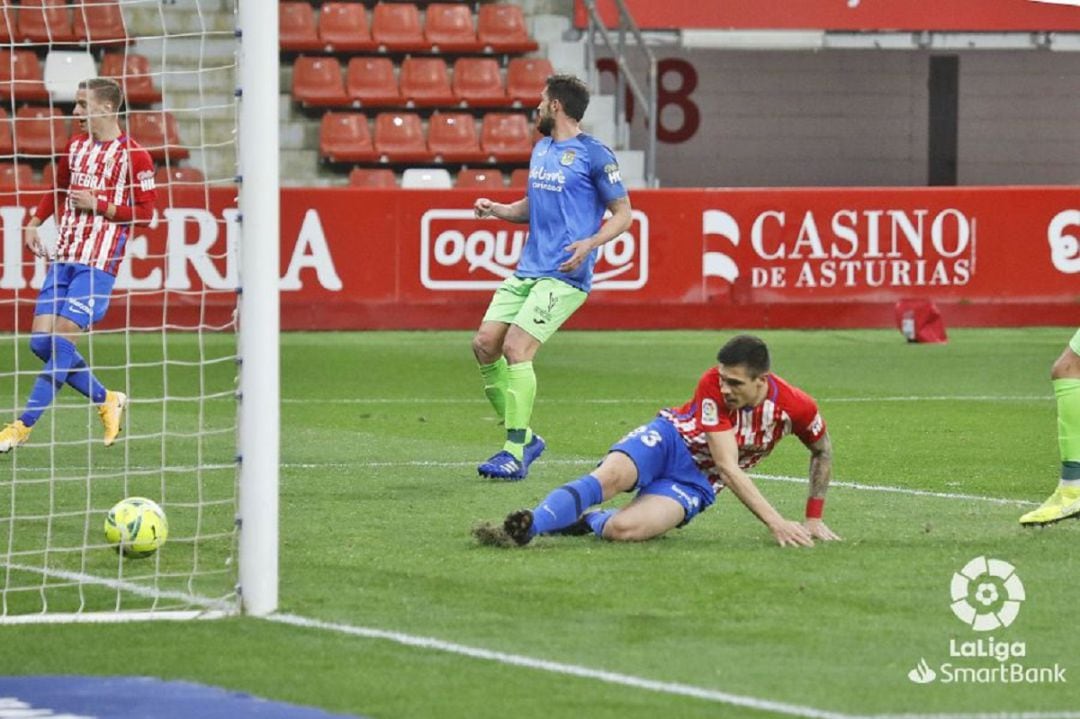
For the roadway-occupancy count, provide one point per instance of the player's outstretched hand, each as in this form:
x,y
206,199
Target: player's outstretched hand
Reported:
x,y
483,207
791,534
33,241
818,530
579,251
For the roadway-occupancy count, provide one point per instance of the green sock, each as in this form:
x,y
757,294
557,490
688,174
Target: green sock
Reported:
x,y
495,376
520,395
1067,392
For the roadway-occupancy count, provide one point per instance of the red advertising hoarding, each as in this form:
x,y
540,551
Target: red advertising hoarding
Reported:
x,y
386,259
845,15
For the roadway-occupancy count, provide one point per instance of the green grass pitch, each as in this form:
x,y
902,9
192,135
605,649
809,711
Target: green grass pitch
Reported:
x,y
381,433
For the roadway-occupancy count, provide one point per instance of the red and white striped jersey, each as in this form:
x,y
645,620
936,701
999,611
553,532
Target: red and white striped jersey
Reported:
x,y
118,172
785,410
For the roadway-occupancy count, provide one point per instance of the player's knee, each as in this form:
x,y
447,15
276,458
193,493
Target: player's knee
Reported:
x,y
519,351
1067,366
485,348
622,529
41,345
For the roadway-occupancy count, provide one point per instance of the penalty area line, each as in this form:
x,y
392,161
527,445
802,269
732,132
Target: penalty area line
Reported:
x,y
628,680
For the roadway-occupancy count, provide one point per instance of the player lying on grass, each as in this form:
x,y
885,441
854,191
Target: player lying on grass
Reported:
x,y
1065,501
680,460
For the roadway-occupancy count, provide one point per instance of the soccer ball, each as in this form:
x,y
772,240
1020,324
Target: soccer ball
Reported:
x,y
136,526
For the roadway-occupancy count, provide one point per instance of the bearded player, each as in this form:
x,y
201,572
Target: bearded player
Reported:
x,y
686,455
106,184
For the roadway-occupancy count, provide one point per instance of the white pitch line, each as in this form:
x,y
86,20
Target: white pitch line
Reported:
x,y
658,402
769,477
574,670
629,680
122,584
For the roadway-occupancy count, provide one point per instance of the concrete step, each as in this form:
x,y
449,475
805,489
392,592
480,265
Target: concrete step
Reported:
x,y
178,18
298,134
299,166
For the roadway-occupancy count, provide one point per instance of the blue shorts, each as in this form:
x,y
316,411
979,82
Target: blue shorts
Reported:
x,y
665,467
78,292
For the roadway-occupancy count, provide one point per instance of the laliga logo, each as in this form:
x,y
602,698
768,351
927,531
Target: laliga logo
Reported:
x,y
717,264
1064,247
995,589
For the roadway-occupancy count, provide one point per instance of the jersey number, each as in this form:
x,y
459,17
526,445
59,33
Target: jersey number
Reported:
x,y
648,437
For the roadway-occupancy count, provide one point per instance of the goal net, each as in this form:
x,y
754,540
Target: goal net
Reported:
x,y
170,339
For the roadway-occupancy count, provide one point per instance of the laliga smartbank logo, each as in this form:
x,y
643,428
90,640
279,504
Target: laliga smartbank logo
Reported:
x,y
460,252
986,595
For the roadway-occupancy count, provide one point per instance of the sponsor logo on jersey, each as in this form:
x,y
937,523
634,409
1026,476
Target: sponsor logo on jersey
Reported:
x,y
613,175
710,414
86,181
146,180
460,252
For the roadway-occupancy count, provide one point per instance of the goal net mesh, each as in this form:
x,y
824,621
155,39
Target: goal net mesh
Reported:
x,y
168,340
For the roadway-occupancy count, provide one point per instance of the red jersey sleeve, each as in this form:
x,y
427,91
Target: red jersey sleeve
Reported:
x,y
711,413
806,421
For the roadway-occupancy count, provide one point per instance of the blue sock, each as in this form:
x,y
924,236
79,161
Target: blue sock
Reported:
x,y
50,380
598,520
84,381
565,504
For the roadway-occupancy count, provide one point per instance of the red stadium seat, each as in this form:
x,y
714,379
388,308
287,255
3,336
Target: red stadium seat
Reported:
x,y
492,179
372,177
344,137
425,82
44,21
317,82
371,82
8,20
16,176
519,178
159,133
506,137
452,138
343,27
100,22
478,82
399,137
296,27
501,28
48,175
133,73
21,76
525,79
396,27
40,131
184,176
7,141
449,28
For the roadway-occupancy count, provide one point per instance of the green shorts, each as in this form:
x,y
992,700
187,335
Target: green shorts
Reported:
x,y
1074,343
537,305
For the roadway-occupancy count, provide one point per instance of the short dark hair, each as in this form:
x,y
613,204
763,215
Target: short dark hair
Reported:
x,y
105,89
571,92
746,350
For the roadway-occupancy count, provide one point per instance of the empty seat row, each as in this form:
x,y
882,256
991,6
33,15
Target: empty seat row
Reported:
x,y
20,177
397,27
424,82
94,22
399,137
43,132
22,77
475,178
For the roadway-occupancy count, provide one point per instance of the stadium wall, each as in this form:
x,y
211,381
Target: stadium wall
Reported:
x,y
858,117
417,259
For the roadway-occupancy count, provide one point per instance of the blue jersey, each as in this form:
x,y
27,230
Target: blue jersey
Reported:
x,y
571,183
